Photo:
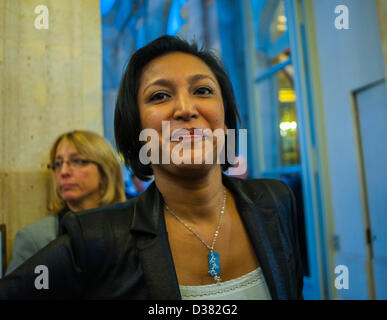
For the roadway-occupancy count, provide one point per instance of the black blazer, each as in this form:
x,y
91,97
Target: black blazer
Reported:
x,y
122,251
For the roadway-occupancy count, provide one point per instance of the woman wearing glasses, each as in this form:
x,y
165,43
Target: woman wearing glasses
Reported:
x,y
86,174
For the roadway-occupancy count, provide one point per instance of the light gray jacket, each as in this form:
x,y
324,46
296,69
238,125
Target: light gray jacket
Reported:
x,y
31,239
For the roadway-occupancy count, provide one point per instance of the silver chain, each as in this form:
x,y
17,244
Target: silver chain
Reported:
x,y
193,231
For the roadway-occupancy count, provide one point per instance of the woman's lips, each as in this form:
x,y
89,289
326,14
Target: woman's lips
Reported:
x,y
67,186
184,134
190,136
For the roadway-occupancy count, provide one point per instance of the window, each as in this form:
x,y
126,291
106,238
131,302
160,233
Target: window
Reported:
x,y
278,26
277,105
276,91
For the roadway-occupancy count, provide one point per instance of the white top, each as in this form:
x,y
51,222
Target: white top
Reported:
x,y
251,286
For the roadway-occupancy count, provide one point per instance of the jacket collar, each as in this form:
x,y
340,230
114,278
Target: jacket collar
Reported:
x,y
61,214
148,225
148,217
258,213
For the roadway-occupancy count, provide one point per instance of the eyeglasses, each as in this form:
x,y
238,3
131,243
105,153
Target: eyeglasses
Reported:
x,y
75,163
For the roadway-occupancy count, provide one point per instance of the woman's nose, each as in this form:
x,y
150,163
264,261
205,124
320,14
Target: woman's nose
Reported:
x,y
65,169
185,108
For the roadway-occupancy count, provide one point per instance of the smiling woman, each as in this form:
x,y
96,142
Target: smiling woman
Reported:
x,y
195,233
205,79
180,88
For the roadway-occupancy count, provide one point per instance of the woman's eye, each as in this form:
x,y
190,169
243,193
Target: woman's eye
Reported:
x,y
203,91
158,96
58,164
79,161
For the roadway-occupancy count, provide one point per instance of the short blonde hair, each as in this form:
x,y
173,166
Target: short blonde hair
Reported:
x,y
97,149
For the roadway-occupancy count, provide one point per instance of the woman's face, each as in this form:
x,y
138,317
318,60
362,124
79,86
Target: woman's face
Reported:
x,y
79,183
182,89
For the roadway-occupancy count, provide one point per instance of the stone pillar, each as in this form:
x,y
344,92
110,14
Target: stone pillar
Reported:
x,y
50,82
381,7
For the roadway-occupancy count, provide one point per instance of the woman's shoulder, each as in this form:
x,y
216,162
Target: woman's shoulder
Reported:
x,y
43,228
267,192
92,221
267,186
276,187
98,232
111,212
32,238
263,183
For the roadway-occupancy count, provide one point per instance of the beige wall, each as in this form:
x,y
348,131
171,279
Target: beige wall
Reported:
x,y
381,6
50,82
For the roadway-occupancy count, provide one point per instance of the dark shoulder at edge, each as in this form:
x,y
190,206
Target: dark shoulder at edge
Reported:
x,y
262,185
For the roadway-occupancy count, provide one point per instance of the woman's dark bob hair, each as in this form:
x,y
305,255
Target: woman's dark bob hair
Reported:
x,y
127,124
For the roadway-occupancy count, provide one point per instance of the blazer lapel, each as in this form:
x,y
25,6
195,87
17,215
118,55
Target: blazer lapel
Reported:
x,y
153,247
258,213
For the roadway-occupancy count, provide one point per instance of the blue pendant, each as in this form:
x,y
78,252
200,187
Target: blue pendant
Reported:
x,y
213,264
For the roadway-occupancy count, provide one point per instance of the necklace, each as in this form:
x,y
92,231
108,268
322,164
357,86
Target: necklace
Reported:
x,y
213,256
